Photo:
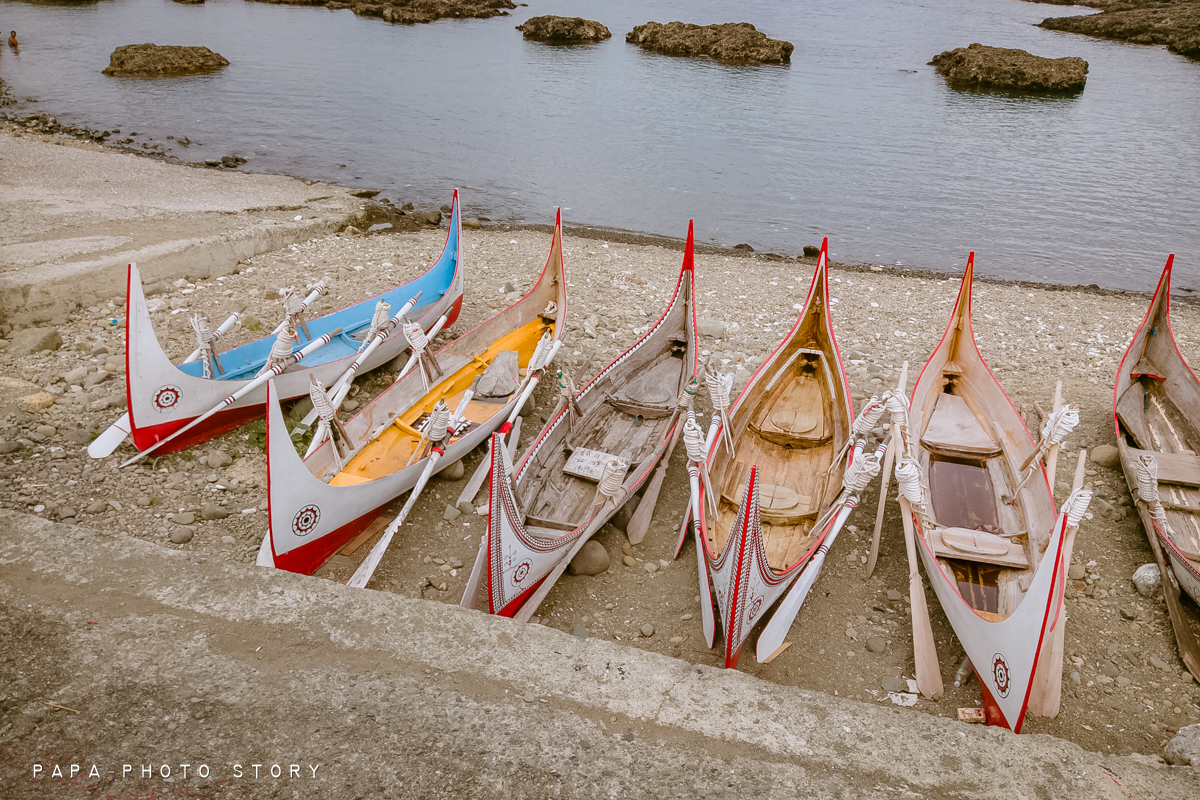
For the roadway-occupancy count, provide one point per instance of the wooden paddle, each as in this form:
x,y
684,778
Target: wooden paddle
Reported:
x,y
929,672
887,477
635,531
1189,648
1045,699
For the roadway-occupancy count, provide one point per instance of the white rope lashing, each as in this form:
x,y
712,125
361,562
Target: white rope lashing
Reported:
x,y
566,386
417,340
693,439
897,406
281,349
551,309
538,359
204,340
860,472
612,478
293,303
379,319
1059,424
1076,506
1145,470
719,387
908,479
320,400
687,397
439,418
868,418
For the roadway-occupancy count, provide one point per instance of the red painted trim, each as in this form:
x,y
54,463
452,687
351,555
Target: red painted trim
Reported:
x,y
1161,291
221,422
308,558
731,654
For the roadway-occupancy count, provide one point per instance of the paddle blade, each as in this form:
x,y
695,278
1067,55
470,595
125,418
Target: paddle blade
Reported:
x,y
108,441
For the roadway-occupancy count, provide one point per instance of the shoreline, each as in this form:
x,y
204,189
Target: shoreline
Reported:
x,y
1030,335
9,127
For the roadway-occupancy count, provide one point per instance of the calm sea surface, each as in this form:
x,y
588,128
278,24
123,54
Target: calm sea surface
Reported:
x,y
857,138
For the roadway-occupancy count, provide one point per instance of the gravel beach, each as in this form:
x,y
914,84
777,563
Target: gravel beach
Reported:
x,y
1125,689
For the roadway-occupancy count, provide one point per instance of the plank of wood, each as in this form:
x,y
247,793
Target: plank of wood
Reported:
x,y
953,427
1183,468
978,546
369,533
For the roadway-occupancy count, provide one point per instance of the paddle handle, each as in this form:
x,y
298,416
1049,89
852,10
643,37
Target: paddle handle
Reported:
x,y
412,362
929,674
258,380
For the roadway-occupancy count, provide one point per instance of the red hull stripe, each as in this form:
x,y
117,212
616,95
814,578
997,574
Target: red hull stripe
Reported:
x,y
308,558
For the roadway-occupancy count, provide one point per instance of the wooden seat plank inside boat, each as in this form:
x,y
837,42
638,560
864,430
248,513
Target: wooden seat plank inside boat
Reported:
x,y
629,423
954,428
980,546
390,451
1173,440
790,438
1182,468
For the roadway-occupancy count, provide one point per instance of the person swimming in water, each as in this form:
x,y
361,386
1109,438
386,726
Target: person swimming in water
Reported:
x,y
12,40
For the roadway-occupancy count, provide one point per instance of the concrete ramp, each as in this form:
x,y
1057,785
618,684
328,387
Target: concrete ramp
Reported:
x,y
133,658
62,248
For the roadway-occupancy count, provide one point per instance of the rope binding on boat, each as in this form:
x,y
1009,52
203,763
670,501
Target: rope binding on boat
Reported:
x,y
1145,471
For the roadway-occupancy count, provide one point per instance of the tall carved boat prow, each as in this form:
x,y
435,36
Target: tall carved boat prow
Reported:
x,y
1156,408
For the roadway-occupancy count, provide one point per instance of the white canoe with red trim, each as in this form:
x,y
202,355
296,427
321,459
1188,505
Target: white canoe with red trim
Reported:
x,y
164,397
318,504
775,493
992,552
627,415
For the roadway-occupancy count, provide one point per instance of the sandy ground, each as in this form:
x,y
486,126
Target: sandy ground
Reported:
x,y
1124,687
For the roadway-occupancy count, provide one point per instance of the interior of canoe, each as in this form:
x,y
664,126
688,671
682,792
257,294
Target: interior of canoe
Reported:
x,y
982,533
1151,421
790,437
395,447
630,424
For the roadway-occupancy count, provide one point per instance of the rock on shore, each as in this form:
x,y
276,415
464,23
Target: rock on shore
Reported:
x,y
1174,24
730,42
413,12
552,29
1004,68
154,61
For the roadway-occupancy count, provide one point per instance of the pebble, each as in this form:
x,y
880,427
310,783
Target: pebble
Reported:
x,y
219,458
592,559
580,632
96,507
66,512
630,561
1076,572
1106,456
876,645
851,633
182,535
228,540
647,630
183,518
894,683
1146,580
213,511
893,595
47,430
451,513
1110,669
454,472
676,639
1158,663
650,567
686,617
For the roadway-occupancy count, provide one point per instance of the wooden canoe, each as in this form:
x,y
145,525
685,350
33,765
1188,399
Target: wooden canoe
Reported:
x,y
996,566
1156,409
164,397
788,425
317,505
627,415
